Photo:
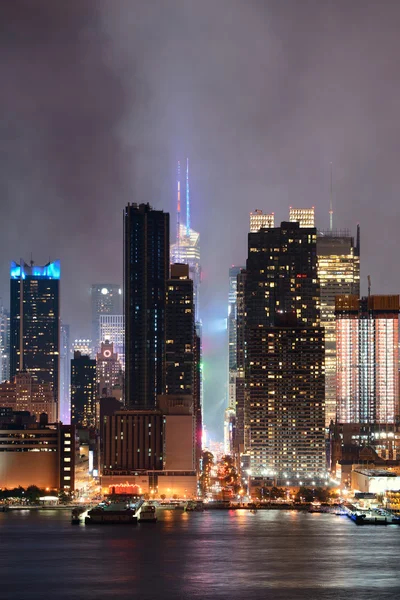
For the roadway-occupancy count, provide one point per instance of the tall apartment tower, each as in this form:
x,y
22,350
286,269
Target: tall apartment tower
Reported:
x,y
304,216
284,354
35,322
83,390
339,274
146,270
106,299
260,220
367,337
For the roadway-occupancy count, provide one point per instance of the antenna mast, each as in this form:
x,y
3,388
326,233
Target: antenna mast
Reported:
x,y
331,206
187,200
178,211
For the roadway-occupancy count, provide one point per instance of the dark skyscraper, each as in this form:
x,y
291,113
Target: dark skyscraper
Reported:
x,y
83,389
146,270
180,332
35,322
284,354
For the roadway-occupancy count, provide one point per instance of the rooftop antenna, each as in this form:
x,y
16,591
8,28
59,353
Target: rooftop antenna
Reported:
x,y
178,211
187,200
331,206
369,286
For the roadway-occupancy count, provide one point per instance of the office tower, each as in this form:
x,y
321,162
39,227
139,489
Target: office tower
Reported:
x,y
339,274
240,362
35,322
367,359
180,332
108,370
284,354
304,216
106,299
24,393
4,344
65,375
112,328
83,390
230,411
260,220
83,346
186,249
183,351
146,270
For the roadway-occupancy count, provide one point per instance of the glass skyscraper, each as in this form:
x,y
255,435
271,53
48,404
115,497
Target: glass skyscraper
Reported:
x,y
35,322
106,299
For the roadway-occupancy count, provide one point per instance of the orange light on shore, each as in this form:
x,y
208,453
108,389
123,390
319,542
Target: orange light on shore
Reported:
x,y
125,488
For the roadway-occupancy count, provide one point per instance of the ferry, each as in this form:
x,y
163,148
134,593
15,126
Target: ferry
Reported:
x,y
102,516
147,514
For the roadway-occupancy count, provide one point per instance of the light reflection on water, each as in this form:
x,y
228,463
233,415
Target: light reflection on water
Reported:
x,y
227,554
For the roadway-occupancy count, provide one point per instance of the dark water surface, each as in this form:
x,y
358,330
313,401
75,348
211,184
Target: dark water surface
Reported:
x,y
211,555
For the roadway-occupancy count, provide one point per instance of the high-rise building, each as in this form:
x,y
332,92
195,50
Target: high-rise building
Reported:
x,y
65,375
146,270
35,322
183,346
186,249
83,390
284,354
260,220
230,413
24,393
180,332
240,362
4,343
367,339
112,328
84,346
339,274
106,299
304,216
108,370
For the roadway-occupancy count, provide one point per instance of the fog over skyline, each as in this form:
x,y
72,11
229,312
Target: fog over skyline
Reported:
x,y
100,98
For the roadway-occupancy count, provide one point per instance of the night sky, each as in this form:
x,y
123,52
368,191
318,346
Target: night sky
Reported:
x,y
99,98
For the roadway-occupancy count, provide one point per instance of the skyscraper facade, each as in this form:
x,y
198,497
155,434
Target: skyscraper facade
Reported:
x,y
106,299
284,354
65,375
83,390
304,216
338,274
108,370
260,220
4,344
187,251
112,328
35,322
367,339
146,270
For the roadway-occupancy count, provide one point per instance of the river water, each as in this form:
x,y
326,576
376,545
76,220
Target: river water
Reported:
x,y
233,555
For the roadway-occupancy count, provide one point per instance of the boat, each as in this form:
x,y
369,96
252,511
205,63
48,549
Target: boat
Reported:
x,y
194,505
101,516
147,514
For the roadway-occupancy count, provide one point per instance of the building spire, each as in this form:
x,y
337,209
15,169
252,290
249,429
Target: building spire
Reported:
x,y
331,205
187,200
178,210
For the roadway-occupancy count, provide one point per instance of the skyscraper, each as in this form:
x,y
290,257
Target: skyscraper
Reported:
x,y
367,338
83,390
106,299
112,328
186,249
260,220
65,375
108,370
146,270
339,274
4,344
35,322
304,216
284,354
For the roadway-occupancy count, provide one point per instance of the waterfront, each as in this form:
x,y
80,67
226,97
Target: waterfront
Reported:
x,y
232,554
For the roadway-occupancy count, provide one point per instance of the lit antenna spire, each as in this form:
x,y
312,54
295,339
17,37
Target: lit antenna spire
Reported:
x,y
331,206
178,210
187,200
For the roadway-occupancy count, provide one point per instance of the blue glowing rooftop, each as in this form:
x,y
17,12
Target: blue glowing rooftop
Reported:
x,y
50,271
